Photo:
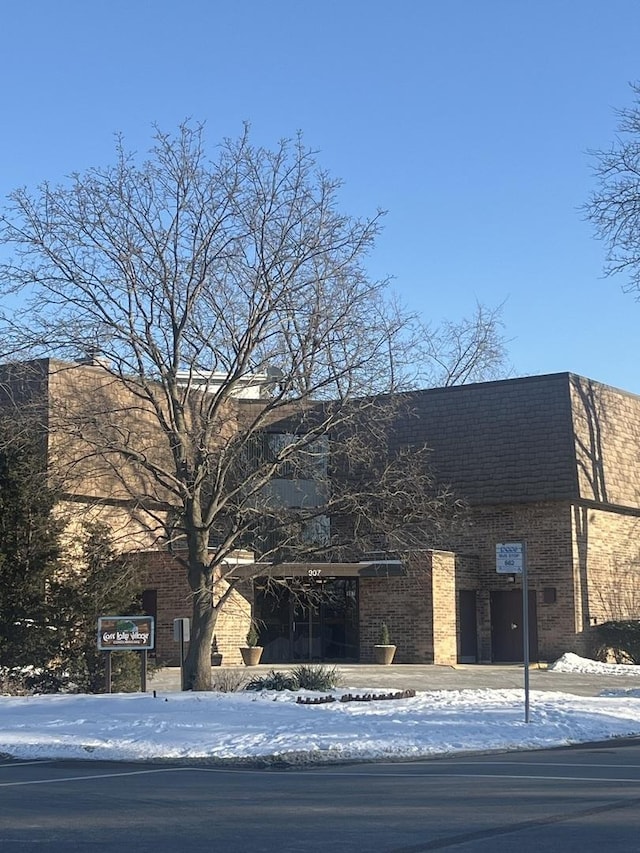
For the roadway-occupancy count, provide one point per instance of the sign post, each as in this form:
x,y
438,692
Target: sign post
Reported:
x,y
107,671
126,633
182,635
511,559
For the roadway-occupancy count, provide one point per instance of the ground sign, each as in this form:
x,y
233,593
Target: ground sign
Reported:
x,y
124,633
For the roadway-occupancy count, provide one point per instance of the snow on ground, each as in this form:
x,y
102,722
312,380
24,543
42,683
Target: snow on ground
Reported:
x,y
271,726
572,663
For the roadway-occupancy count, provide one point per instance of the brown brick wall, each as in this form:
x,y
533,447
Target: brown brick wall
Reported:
x,y
160,571
443,592
588,558
606,566
547,529
419,610
607,443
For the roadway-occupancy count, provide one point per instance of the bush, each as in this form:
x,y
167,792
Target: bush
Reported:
x,y
316,677
229,681
272,681
12,682
303,677
48,621
86,673
384,639
252,636
620,639
101,581
27,680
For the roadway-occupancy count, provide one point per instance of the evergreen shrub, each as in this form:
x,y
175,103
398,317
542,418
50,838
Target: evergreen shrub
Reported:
x,y
619,639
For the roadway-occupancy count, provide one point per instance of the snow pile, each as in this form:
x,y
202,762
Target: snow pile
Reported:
x,y
573,663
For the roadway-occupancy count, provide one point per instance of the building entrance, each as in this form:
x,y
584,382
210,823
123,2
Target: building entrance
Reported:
x,y
468,636
313,620
506,626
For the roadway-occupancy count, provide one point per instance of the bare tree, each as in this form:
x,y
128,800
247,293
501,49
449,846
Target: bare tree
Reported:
x,y
194,284
614,206
473,349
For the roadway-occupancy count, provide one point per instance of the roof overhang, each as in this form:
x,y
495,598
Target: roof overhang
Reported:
x,y
363,569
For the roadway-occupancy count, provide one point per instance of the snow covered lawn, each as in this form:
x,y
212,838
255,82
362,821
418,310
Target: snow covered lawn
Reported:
x,y
272,726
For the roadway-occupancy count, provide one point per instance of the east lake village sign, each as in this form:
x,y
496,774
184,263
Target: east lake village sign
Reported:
x,y
124,633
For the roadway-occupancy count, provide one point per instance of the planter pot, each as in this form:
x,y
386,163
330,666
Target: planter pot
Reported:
x,y
216,659
384,654
251,655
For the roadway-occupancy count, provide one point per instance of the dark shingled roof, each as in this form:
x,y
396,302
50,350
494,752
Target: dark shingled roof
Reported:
x,y
499,442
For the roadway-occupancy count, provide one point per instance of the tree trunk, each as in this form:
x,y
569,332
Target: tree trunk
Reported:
x,y
197,664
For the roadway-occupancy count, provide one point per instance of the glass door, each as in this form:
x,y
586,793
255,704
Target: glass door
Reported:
x,y
308,621
340,620
306,640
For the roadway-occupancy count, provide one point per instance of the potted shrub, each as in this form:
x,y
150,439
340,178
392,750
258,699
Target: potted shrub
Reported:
x,y
252,652
216,656
384,650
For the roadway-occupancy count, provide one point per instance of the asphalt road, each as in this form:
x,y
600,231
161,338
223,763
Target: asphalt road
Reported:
x,y
571,800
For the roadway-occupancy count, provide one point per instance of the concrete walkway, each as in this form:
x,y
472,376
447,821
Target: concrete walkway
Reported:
x,y
430,677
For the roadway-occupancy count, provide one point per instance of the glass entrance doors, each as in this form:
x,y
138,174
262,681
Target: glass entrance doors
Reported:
x,y
308,621
305,634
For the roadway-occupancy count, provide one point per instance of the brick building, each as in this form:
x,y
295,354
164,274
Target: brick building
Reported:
x,y
550,460
553,460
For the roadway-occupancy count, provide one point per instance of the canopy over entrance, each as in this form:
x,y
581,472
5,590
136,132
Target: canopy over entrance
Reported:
x,y
364,569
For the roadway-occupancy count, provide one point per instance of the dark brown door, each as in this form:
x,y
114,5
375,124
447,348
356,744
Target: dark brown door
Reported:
x,y
506,626
468,650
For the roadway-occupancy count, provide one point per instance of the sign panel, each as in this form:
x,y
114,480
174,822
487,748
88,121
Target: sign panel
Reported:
x,y
121,633
181,630
509,558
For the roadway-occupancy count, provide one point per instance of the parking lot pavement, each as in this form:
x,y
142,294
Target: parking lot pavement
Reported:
x,y
431,677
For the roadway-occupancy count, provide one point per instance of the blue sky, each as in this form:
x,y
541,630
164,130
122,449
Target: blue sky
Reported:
x,y
468,120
